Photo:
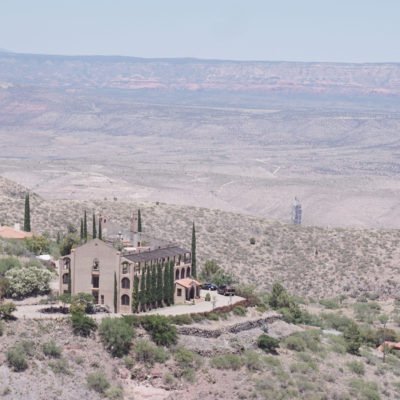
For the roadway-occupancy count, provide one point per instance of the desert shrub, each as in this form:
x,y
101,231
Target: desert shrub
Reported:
x,y
267,343
197,317
60,366
116,336
352,336
295,342
50,349
24,282
212,316
366,312
132,320
338,344
17,358
330,304
335,321
114,393
148,353
183,319
98,382
227,361
160,329
252,240
253,361
207,297
357,367
303,367
6,310
364,390
129,362
8,263
37,244
239,310
2,328
186,358
82,325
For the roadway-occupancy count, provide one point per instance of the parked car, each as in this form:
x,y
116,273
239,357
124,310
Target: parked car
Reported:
x,y
226,290
209,286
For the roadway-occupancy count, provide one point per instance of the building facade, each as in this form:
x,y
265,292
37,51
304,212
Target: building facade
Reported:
x,y
108,274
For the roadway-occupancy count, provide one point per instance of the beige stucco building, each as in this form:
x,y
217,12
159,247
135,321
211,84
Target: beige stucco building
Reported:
x,y
100,269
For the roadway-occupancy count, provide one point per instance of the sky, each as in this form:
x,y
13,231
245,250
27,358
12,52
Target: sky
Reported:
x,y
292,30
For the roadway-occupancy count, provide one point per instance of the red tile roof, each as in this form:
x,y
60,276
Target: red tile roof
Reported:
x,y
7,232
187,282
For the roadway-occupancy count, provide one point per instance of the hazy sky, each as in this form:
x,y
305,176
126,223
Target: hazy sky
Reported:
x,y
298,30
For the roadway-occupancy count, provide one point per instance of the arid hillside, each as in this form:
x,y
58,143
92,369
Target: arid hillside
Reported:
x,y
310,261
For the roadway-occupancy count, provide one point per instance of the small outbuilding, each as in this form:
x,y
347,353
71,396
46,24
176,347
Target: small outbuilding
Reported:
x,y
186,289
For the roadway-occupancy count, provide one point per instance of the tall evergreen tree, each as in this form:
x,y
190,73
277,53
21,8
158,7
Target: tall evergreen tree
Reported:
x,y
115,293
166,284
81,232
58,237
153,286
135,294
100,230
139,222
148,287
85,226
142,293
94,226
69,279
194,270
159,291
171,282
27,214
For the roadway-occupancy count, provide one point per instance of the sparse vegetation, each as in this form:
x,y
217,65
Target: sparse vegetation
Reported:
x,y
116,336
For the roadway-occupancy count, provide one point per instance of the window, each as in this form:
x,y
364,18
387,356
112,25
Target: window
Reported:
x,y
67,263
183,273
177,274
102,298
96,264
125,300
95,294
125,283
125,268
179,292
95,282
188,272
65,279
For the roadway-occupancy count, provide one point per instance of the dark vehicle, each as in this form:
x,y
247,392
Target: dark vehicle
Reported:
x,y
226,290
209,286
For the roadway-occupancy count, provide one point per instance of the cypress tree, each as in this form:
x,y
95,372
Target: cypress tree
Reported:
x,y
100,231
171,282
139,222
153,287
148,287
160,295
94,226
27,214
115,293
194,271
166,283
85,226
142,293
81,232
69,279
135,293
58,238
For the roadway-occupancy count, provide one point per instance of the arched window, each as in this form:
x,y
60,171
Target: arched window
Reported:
x,y
188,272
65,279
125,283
125,268
182,273
67,263
125,300
177,274
96,264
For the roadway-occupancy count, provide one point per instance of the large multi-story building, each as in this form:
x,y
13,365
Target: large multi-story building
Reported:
x,y
107,273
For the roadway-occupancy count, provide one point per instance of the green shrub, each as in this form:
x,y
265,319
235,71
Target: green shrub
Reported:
x,y
253,361
352,336
207,297
114,393
198,317
116,336
295,343
227,361
8,263
82,302
50,349
132,320
183,319
252,240
148,353
357,367
82,325
160,329
186,358
98,382
6,310
212,316
60,366
330,304
267,343
16,358
2,328
335,321
129,362
240,311
364,390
